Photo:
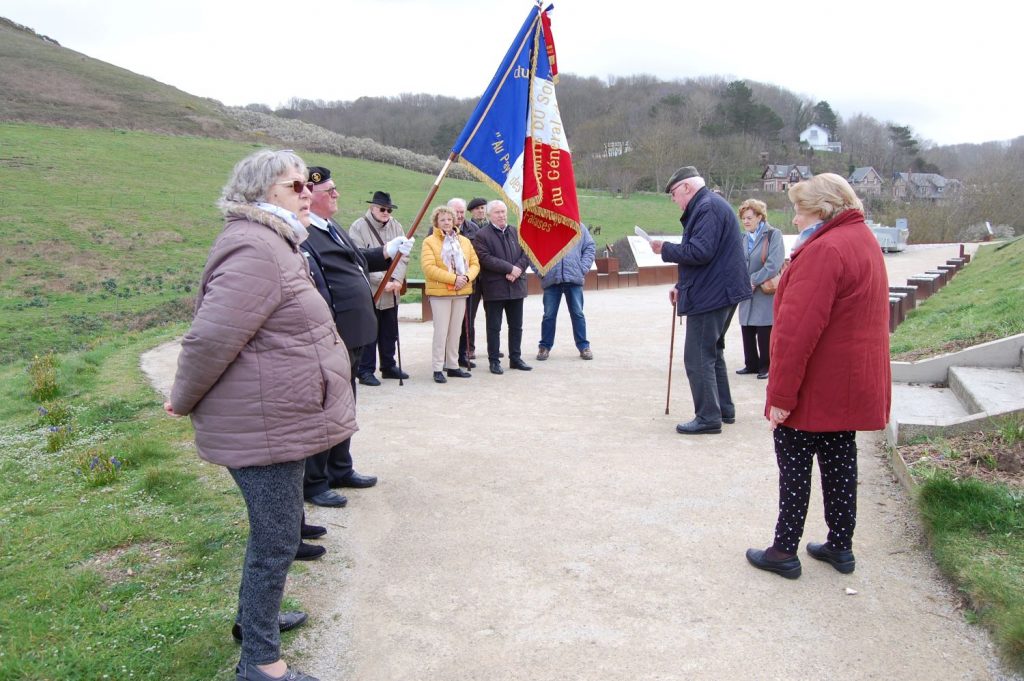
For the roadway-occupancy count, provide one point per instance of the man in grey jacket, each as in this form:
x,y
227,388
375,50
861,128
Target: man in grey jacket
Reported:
x,y
566,279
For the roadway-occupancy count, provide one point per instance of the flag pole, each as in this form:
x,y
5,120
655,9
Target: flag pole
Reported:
x,y
416,223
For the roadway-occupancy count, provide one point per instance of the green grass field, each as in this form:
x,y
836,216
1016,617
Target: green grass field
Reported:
x,y
983,302
107,231
126,570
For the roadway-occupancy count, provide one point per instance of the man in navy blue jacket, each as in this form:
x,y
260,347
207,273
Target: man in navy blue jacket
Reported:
x,y
712,281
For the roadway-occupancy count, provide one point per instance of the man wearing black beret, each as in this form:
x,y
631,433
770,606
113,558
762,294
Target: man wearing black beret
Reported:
x,y
712,281
341,266
477,208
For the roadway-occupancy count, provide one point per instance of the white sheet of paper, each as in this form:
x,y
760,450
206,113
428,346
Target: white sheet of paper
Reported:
x,y
641,233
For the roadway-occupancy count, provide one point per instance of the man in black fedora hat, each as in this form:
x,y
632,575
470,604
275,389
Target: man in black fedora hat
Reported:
x,y
375,228
340,267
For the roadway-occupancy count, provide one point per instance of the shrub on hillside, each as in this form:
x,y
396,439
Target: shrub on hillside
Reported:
x,y
315,138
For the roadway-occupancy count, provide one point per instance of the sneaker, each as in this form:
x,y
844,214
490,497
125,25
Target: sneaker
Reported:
x,y
586,354
543,353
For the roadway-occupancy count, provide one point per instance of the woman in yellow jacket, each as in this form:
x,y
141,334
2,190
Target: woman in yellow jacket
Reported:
x,y
450,267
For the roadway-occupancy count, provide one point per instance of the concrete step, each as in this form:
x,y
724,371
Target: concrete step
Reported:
x,y
974,397
994,391
916,403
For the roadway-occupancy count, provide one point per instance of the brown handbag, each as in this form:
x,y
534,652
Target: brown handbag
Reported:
x,y
769,286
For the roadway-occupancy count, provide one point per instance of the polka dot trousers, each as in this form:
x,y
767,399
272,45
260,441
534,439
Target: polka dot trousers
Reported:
x,y
837,455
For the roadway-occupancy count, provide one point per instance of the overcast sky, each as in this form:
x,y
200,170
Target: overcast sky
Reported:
x,y
948,71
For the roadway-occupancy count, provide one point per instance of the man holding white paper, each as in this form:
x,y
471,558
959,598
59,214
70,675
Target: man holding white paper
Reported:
x,y
712,281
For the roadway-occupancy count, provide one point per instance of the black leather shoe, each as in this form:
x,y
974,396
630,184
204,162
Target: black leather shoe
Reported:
x,y
309,551
840,560
745,371
459,373
788,568
368,379
329,498
394,372
285,621
763,375
695,427
439,377
312,531
729,419
496,368
467,364
520,365
356,480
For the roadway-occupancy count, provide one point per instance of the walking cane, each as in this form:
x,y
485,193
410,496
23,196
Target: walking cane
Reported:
x,y
398,343
465,326
671,354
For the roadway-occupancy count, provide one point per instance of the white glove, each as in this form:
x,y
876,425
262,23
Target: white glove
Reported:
x,y
406,247
391,247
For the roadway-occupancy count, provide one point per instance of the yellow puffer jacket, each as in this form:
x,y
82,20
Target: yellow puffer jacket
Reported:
x,y
435,273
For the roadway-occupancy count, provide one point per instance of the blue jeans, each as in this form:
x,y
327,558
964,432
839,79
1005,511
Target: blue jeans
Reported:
x,y
574,299
704,358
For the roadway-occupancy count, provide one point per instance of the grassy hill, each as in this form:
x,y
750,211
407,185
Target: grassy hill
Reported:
x,y
42,82
107,230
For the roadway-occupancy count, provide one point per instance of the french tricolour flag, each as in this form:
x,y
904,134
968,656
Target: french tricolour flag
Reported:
x,y
515,142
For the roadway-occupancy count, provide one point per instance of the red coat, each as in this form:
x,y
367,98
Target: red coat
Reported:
x,y
830,342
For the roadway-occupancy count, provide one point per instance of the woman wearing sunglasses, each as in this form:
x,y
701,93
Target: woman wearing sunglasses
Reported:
x,y
265,378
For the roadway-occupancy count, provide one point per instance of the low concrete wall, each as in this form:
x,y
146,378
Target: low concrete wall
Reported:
x,y
1005,352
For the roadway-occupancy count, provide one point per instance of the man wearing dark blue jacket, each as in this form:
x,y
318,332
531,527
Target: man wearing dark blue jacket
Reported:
x,y
712,281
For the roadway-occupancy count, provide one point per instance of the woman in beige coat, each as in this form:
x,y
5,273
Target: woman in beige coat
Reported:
x,y
265,377
450,267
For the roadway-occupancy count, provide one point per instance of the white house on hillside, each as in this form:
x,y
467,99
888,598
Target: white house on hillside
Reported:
x,y
816,137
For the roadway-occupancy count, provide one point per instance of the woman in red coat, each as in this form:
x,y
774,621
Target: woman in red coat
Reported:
x,y
830,369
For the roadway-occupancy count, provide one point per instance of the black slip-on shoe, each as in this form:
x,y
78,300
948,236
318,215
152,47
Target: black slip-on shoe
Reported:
x,y
329,499
356,481
840,560
695,427
788,568
312,531
309,551
459,373
285,622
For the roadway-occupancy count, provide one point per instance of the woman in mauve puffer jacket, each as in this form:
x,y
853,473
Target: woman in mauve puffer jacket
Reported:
x,y
265,378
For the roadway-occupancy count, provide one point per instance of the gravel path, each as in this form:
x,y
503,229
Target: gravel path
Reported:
x,y
552,525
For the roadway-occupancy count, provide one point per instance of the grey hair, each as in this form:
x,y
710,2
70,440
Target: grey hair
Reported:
x,y
253,176
494,203
457,202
